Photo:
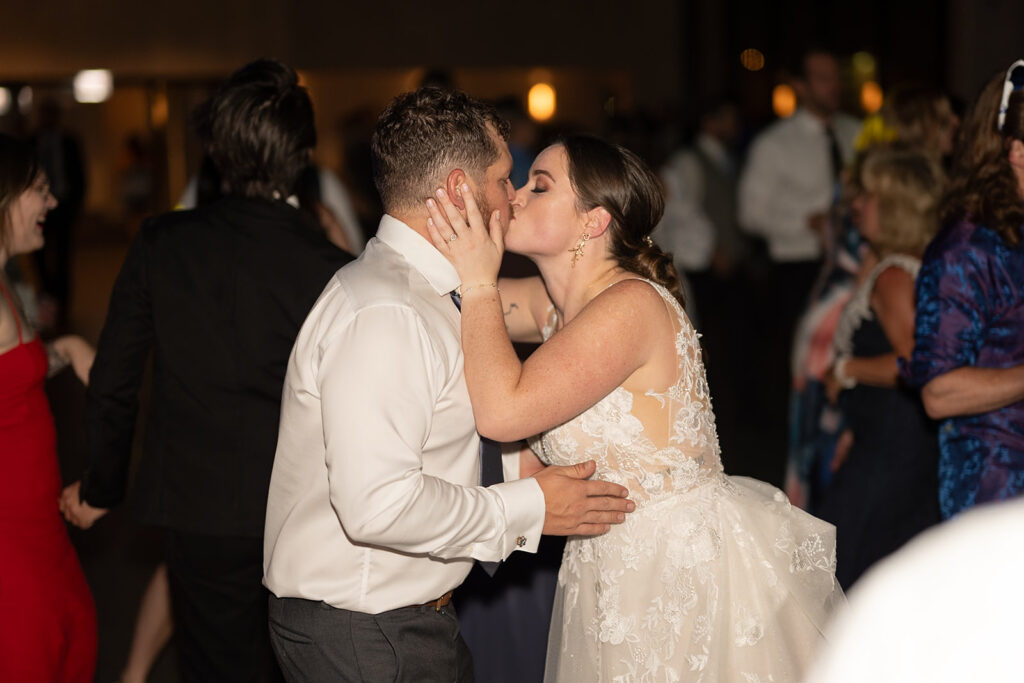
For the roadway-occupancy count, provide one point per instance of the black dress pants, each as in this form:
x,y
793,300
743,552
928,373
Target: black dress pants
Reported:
x,y
220,608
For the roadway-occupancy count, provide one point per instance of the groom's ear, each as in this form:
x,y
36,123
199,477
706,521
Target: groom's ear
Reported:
x,y
453,186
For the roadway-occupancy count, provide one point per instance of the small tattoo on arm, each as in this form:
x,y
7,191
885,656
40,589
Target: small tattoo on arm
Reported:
x,y
511,307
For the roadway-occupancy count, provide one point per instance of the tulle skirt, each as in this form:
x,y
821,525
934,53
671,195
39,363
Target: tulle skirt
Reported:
x,y
723,582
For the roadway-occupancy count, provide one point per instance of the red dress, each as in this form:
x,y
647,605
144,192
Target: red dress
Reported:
x,y
47,617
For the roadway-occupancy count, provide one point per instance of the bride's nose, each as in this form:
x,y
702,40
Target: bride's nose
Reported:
x,y
518,196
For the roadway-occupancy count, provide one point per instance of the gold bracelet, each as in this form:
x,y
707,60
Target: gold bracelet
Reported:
x,y
466,290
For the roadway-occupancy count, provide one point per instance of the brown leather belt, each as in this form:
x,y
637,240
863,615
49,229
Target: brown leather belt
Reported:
x,y
442,601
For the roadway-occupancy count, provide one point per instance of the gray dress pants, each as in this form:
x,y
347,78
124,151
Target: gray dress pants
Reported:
x,y
318,643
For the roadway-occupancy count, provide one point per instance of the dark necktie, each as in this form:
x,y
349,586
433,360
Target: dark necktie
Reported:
x,y
835,155
490,458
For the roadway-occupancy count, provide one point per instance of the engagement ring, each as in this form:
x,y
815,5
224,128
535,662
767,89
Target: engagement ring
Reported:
x,y
453,237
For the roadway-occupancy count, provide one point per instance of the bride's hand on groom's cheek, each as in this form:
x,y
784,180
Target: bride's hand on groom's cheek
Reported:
x,y
475,249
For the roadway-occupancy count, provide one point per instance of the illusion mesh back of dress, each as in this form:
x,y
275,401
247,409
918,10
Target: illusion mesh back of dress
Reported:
x,y
711,578
655,444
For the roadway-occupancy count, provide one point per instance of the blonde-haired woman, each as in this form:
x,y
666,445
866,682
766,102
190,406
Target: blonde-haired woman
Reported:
x,y
885,489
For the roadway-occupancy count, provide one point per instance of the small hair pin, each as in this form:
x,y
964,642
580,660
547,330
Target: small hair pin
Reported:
x,y
1014,81
648,241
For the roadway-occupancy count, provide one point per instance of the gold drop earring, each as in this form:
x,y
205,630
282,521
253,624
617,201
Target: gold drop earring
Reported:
x,y
577,251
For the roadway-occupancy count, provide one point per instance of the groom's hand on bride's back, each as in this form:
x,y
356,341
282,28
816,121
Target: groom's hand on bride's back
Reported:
x,y
578,507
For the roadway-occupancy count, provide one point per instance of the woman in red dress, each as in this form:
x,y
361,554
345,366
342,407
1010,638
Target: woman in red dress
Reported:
x,y
47,617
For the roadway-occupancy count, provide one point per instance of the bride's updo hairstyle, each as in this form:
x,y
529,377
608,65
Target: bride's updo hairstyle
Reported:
x,y
607,175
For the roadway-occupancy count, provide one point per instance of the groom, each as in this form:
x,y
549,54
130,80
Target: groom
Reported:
x,y
375,512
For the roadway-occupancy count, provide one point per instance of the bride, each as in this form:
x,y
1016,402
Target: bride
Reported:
x,y
712,578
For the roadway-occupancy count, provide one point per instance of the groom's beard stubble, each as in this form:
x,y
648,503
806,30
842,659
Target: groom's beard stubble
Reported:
x,y
484,206
486,210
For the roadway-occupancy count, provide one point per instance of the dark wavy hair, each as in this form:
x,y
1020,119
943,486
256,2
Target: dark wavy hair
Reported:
x,y
422,135
258,129
19,168
607,175
983,187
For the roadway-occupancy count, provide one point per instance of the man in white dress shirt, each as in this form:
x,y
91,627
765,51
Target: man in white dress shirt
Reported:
x,y
789,181
375,512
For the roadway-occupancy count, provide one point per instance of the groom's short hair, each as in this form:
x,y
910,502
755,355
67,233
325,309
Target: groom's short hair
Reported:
x,y
424,134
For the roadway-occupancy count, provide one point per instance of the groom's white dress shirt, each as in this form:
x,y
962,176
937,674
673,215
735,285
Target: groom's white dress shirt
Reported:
x,y
374,502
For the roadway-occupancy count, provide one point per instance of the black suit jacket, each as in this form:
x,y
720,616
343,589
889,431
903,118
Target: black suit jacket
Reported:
x,y
217,294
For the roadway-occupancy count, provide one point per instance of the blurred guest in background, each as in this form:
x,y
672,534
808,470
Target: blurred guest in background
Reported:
x,y
788,188
969,351
138,182
218,294
914,117
47,618
885,490
790,179
700,228
922,117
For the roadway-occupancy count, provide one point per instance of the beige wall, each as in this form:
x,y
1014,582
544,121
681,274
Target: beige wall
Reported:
x,y
187,38
351,56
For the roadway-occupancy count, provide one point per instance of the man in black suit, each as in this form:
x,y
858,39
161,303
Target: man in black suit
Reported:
x,y
218,295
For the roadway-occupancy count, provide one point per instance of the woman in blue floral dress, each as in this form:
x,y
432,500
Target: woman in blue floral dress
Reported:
x,y
969,338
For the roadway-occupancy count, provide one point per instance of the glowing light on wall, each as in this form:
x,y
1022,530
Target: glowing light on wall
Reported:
x,y
783,101
5,101
871,97
752,60
158,110
93,85
541,102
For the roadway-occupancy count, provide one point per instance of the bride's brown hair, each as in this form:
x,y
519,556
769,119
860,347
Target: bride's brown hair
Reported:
x,y
607,175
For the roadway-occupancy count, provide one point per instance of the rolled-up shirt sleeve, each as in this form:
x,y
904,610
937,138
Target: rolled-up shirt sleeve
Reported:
x,y
380,378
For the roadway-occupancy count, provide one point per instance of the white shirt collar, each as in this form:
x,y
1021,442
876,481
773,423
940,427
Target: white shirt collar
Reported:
x,y
421,254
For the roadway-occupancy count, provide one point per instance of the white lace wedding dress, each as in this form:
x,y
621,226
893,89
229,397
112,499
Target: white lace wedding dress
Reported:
x,y
713,578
